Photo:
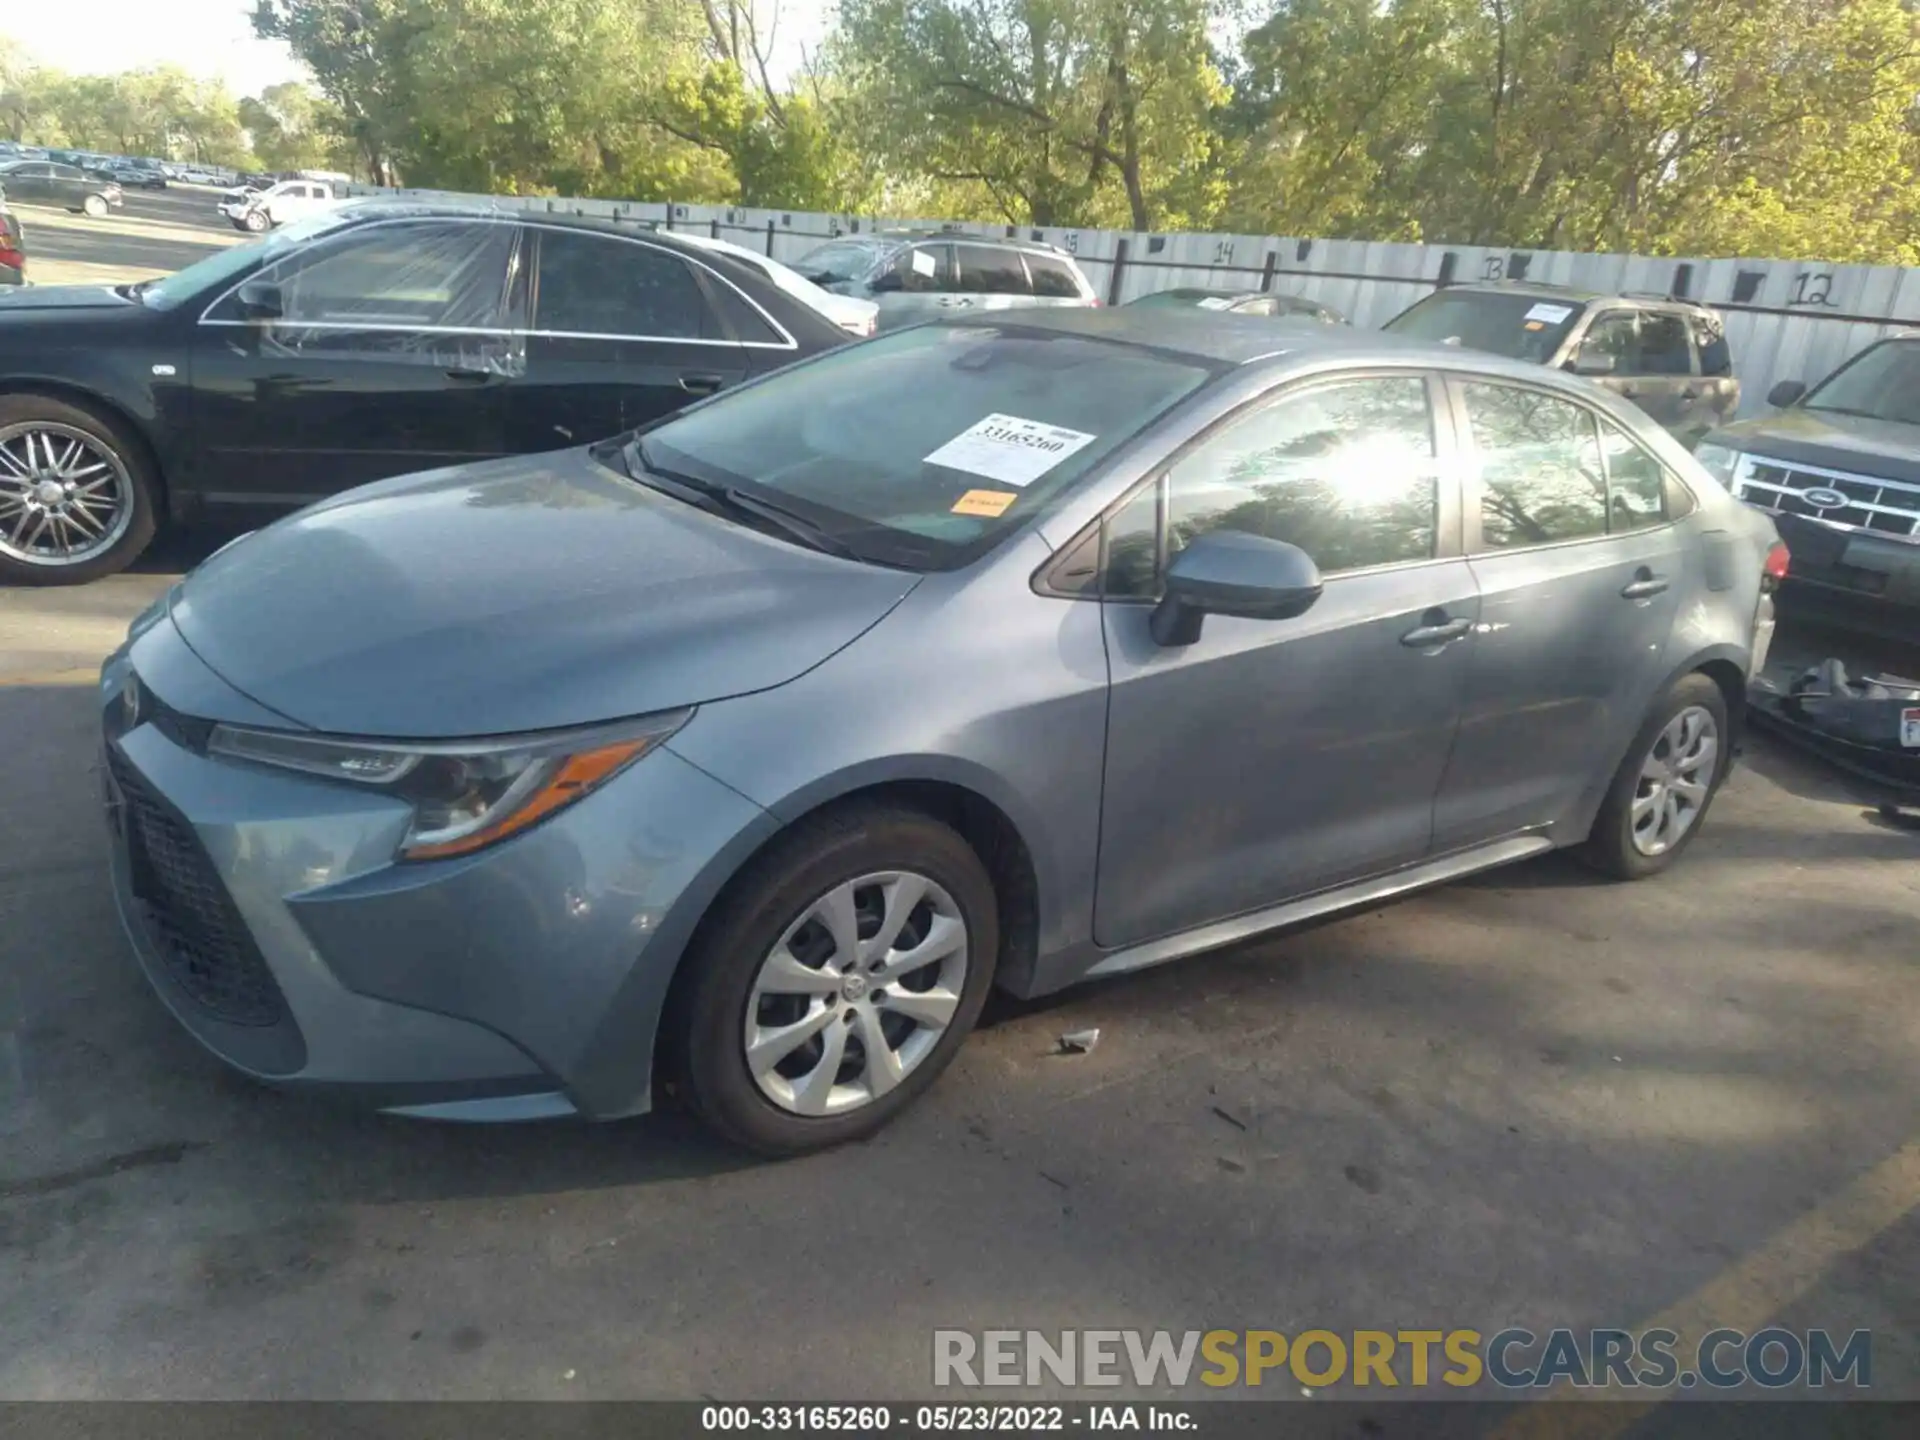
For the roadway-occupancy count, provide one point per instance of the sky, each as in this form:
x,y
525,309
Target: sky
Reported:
x,y
215,38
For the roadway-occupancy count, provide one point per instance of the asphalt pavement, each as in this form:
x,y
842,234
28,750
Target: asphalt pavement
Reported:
x,y
1528,1099
153,233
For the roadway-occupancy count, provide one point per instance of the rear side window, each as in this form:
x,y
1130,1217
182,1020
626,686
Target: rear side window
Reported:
x,y
920,270
748,325
1710,341
986,270
1664,348
1541,476
1345,471
603,286
1051,279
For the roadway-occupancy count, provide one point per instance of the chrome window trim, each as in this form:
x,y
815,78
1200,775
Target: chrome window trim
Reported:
x,y
789,342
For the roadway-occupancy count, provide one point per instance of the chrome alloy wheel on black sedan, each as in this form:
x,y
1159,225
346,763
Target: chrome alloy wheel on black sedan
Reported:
x,y
65,497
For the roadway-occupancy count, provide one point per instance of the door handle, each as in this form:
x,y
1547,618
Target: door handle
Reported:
x,y
1435,629
701,384
952,301
1644,586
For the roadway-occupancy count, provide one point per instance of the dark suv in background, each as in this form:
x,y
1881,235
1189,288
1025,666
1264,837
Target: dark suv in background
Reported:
x,y
1669,357
1839,468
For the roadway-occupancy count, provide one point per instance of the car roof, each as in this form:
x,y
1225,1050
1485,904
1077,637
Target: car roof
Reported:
x,y
1225,339
1005,242
1546,290
370,208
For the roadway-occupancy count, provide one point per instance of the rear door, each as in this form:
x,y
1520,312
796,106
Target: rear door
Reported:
x,y
1568,531
391,355
623,333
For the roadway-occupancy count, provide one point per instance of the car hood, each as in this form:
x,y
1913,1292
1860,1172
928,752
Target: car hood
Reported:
x,y
63,297
1888,448
525,594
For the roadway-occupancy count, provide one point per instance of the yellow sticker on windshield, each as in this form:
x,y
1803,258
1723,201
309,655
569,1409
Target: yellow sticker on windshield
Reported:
x,y
984,502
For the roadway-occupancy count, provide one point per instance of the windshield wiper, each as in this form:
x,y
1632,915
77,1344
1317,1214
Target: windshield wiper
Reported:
x,y
732,499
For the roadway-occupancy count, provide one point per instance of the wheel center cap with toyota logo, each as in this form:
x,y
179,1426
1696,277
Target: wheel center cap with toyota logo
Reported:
x,y
1823,497
853,987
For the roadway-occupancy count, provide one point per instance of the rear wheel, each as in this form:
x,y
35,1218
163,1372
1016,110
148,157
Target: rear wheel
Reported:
x,y
1662,790
845,969
95,205
77,495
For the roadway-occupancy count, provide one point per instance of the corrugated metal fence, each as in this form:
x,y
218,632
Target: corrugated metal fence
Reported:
x,y
1786,320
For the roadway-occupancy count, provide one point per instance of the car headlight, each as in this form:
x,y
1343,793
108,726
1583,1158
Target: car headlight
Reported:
x,y
1718,461
465,794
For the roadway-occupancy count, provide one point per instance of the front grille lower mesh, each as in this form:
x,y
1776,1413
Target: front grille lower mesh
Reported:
x,y
191,918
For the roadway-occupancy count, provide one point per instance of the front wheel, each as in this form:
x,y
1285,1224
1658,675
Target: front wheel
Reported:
x,y
77,494
1661,792
836,979
257,221
95,206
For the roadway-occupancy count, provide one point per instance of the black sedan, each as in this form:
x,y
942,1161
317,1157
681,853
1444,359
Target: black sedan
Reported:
x,y
367,341
1244,302
48,182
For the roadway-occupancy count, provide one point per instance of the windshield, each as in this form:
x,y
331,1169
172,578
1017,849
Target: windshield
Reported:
x,y
840,260
1881,383
925,447
1521,327
235,261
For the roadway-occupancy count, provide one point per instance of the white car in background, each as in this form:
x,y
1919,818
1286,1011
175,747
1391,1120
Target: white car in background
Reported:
x,y
279,204
850,313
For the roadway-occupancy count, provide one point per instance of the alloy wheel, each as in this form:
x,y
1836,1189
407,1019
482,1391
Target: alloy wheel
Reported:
x,y
1675,780
856,993
65,497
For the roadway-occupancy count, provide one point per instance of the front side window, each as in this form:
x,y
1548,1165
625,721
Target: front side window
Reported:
x,y
1614,337
1636,483
604,286
425,293
989,270
920,270
1344,471
1541,476
924,447
1664,348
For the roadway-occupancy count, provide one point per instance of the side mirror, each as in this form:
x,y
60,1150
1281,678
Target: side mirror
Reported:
x,y
259,300
1228,572
1787,392
1595,363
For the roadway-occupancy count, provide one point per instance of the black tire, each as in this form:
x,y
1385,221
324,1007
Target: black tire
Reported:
x,y
144,487
1609,847
703,1031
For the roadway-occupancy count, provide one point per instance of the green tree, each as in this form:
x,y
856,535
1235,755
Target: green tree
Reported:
x,y
1061,111
293,128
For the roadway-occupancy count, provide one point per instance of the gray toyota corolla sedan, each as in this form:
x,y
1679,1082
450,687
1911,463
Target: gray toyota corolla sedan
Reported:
x,y
741,758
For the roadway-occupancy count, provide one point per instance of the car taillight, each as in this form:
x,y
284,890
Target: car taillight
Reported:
x,y
1778,559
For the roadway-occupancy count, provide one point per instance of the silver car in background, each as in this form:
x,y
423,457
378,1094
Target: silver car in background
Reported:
x,y
913,275
741,757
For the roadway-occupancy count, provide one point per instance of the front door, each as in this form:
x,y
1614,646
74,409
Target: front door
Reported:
x,y
390,355
916,285
1568,527
623,334
1272,759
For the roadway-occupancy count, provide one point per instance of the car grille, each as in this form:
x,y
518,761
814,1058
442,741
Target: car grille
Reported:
x,y
190,916
1887,507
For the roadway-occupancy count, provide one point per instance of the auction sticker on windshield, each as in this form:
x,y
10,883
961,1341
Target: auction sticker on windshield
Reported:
x,y
1551,314
1009,449
1910,727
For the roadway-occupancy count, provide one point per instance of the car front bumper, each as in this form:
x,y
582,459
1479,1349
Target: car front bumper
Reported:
x,y
270,916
